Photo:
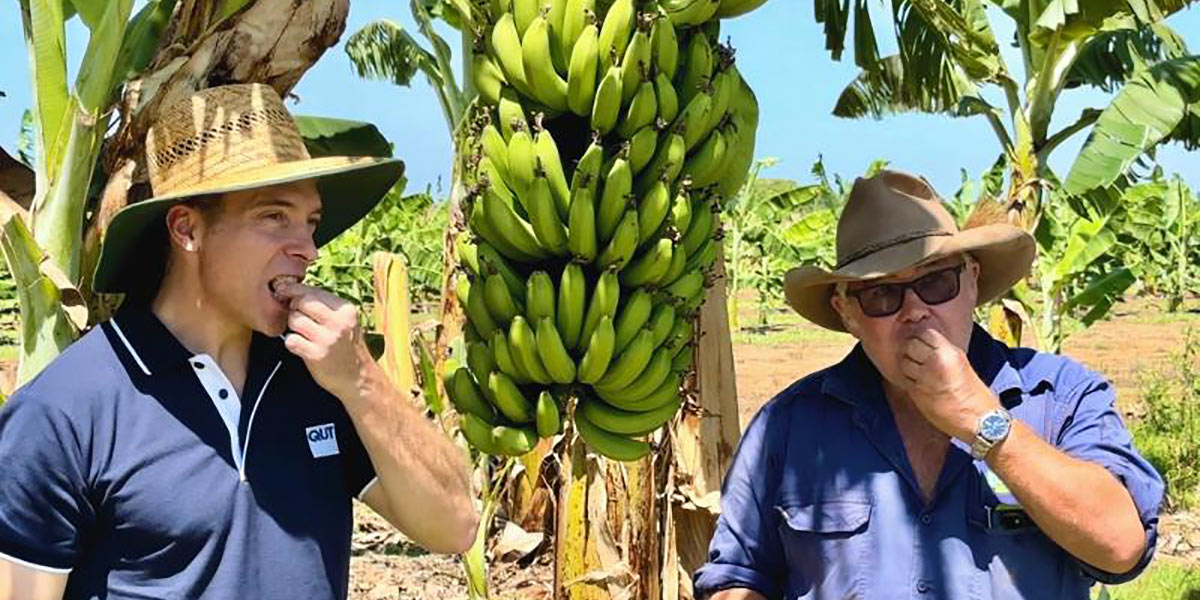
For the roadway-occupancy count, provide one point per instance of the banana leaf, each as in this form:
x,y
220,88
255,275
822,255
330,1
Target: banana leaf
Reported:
x,y
325,136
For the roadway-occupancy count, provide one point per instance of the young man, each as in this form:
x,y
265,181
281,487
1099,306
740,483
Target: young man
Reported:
x,y
933,461
208,440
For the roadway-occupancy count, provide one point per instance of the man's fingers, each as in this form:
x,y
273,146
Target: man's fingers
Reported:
x,y
314,306
932,338
910,368
302,347
918,350
306,326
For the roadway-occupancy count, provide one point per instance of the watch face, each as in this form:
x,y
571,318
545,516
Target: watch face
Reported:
x,y
994,426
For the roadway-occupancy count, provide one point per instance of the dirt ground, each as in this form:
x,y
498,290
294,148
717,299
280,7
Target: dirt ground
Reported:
x,y
1139,337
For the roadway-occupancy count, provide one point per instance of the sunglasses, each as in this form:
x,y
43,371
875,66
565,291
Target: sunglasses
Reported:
x,y
886,299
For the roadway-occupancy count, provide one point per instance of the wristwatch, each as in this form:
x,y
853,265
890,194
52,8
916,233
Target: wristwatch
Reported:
x,y
992,429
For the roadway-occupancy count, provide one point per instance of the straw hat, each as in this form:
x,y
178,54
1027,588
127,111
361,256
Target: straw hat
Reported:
x,y
226,139
894,221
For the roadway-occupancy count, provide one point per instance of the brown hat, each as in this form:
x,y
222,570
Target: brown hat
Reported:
x,y
226,139
894,221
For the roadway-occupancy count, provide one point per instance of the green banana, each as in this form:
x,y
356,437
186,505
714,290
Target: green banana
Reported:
x,y
605,297
684,358
681,208
491,261
462,288
467,399
581,224
704,256
510,113
510,227
480,360
543,216
665,394
579,14
676,268
488,77
546,415
606,107
572,295
470,335
666,47
697,67
522,160
495,148
666,164
581,74
641,148
615,32
501,304
641,112
724,83
653,211
539,297
700,229
477,311
468,254
686,13
682,331
693,120
613,197
556,12
633,316
523,342
553,352
610,445
650,266
635,62
655,373
486,171
524,12
687,286
668,100
627,422
514,441
547,154
622,245
587,170
504,358
506,46
744,118
482,227
662,323
598,354
478,434
629,363
509,399
708,162
547,85
734,8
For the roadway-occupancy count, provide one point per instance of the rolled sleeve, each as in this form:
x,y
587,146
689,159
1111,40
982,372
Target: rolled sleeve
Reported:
x,y
1095,432
745,551
44,510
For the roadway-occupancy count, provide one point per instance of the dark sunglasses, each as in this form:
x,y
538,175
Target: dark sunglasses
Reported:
x,y
886,299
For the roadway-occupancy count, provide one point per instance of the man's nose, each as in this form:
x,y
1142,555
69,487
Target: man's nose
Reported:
x,y
303,248
913,308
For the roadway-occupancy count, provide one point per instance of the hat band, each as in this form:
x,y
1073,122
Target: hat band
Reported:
x,y
888,243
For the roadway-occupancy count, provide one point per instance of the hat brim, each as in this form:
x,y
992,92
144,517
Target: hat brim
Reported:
x,y
349,186
1004,253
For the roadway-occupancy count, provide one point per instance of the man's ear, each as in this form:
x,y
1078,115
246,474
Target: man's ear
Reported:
x,y
184,225
841,306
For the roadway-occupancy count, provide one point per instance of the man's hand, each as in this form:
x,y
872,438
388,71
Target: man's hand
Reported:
x,y
943,385
326,333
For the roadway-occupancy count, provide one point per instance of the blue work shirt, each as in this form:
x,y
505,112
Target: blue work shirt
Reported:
x,y
131,465
821,501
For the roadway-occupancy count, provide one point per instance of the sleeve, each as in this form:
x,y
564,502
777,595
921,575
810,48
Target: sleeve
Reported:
x,y
1095,432
357,469
745,551
45,513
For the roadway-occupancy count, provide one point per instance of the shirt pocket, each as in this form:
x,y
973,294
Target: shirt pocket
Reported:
x,y
826,544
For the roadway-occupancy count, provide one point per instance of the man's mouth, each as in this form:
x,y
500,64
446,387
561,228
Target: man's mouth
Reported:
x,y
278,282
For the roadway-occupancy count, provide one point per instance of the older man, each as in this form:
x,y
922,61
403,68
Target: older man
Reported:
x,y
933,461
208,440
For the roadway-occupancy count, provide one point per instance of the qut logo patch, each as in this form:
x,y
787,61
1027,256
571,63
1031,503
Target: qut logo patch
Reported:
x,y
322,440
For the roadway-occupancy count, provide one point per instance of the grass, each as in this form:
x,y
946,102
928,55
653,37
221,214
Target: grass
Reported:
x,y
783,327
1164,580
1167,434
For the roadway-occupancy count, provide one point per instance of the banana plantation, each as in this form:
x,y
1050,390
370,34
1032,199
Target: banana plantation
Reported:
x,y
586,293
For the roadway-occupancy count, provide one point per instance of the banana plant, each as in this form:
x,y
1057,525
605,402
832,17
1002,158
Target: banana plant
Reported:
x,y
1158,241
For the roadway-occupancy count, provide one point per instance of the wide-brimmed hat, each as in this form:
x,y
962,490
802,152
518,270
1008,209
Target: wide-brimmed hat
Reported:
x,y
894,221
227,139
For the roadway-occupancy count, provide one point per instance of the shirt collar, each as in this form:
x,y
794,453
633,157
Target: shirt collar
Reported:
x,y
856,381
155,350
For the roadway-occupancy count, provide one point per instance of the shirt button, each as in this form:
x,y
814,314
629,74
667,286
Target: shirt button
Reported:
x,y
223,394
926,519
198,365
922,587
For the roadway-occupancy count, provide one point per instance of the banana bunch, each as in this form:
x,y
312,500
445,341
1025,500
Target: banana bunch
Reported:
x,y
597,159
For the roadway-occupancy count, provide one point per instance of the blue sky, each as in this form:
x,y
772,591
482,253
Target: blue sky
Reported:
x,y
780,52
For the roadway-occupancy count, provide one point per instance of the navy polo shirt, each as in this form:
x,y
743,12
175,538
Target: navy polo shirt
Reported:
x,y
133,465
